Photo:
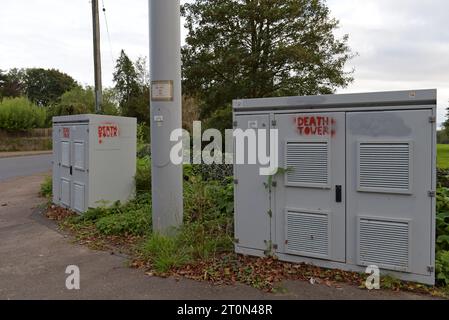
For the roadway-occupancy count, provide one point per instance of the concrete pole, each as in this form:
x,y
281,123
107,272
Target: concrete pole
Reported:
x,y
97,57
166,112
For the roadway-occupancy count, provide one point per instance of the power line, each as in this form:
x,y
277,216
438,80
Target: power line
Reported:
x,y
107,31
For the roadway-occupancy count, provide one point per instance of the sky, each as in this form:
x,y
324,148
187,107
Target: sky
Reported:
x,y
400,44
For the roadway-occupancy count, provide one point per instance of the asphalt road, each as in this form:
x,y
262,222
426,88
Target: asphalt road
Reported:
x,y
24,166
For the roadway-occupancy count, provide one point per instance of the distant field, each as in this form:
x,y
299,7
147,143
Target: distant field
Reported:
x,y
443,156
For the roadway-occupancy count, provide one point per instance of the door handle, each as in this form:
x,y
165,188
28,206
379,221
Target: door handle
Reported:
x,y
71,170
338,194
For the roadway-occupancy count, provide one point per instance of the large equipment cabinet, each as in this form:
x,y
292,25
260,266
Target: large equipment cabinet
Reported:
x,y
94,161
358,185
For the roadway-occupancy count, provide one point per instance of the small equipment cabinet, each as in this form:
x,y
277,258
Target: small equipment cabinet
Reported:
x,y
94,161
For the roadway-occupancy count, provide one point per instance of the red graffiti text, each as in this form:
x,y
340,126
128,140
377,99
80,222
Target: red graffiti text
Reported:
x,y
66,133
316,126
107,131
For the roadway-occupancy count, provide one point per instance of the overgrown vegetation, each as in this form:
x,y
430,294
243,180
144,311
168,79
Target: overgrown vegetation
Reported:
x,y
133,218
442,224
207,230
21,114
201,248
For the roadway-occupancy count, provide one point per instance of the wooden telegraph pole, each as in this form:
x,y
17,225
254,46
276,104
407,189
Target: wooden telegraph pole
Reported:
x,y
97,57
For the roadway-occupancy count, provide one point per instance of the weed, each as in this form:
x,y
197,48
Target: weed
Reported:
x,y
143,176
164,253
391,283
46,190
125,223
442,267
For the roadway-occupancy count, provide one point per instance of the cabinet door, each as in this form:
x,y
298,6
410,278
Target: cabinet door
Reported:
x,y
389,161
62,180
310,197
252,204
80,165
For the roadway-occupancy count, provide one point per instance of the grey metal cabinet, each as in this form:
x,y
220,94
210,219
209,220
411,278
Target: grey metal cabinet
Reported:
x,y
94,161
358,187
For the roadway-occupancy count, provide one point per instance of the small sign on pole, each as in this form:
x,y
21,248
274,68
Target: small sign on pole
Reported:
x,y
162,90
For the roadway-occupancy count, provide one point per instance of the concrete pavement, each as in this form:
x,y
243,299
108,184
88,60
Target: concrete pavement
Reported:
x,y
34,257
24,166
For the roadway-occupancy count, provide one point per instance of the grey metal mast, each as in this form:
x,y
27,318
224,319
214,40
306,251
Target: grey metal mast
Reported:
x,y
166,112
97,57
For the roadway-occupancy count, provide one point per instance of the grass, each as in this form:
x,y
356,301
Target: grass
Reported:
x,y
443,156
46,188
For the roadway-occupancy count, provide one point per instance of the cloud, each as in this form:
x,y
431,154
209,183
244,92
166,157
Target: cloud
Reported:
x,y
402,44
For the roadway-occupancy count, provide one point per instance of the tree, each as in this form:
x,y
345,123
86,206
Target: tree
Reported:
x,y
81,101
131,86
3,80
45,87
442,137
12,83
260,48
446,123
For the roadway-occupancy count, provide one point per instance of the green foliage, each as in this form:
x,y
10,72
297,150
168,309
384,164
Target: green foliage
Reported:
x,y
221,119
446,123
442,267
442,137
164,252
213,172
21,114
129,222
82,101
207,229
11,84
442,223
47,188
389,282
132,88
443,156
44,87
248,49
143,140
442,226
143,175
443,177
133,218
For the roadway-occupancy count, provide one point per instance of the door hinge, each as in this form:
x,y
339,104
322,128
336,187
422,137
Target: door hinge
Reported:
x,y
274,123
236,181
432,119
432,194
431,269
